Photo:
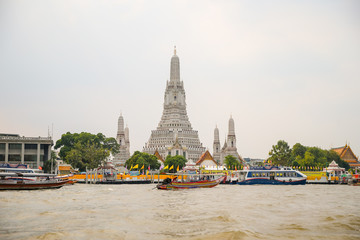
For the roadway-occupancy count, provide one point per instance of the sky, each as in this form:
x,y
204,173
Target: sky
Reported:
x,y
284,70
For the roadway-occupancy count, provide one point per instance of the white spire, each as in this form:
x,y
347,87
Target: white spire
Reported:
x,y
120,123
175,67
216,134
231,126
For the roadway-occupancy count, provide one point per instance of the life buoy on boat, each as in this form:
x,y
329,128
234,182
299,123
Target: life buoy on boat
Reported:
x,y
290,180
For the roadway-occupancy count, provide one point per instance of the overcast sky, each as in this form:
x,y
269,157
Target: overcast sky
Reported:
x,y
285,70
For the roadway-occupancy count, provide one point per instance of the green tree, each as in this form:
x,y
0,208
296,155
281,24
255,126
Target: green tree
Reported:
x,y
298,150
84,149
175,161
47,164
315,157
333,156
231,162
308,160
280,154
143,159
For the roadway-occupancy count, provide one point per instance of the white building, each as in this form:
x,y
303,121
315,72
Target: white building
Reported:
x,y
33,151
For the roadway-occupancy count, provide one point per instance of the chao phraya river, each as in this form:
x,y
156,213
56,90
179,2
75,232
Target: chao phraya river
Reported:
x,y
141,212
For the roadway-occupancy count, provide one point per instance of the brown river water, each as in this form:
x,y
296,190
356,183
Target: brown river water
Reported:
x,y
140,212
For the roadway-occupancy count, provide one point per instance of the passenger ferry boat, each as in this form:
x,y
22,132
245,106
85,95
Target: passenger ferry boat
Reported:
x,y
269,175
28,179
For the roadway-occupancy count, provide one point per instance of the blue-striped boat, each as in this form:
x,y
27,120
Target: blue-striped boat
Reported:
x,y
269,175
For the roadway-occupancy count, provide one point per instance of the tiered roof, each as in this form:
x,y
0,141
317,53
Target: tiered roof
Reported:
x,y
205,156
347,155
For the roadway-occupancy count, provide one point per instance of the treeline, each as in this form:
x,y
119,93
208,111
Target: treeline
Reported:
x,y
86,150
303,156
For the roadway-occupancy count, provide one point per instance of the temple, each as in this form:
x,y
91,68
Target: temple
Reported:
x,y
174,134
348,156
229,147
122,138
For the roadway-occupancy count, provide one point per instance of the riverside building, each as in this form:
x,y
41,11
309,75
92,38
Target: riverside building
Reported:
x,y
174,134
33,151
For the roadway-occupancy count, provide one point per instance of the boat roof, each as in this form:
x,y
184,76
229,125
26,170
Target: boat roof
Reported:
x,y
22,174
194,174
16,170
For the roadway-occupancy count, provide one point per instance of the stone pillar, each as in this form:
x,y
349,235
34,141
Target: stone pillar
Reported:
x,y
38,156
22,153
6,152
49,152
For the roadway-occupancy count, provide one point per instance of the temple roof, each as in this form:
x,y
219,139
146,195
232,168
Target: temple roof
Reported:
x,y
157,154
205,156
347,155
341,151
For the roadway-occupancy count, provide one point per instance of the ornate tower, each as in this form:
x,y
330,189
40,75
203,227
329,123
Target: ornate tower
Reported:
x,y
229,147
216,145
174,128
231,138
127,142
122,137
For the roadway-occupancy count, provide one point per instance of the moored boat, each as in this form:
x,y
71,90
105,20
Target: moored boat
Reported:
x,y
269,175
354,180
27,179
187,181
31,185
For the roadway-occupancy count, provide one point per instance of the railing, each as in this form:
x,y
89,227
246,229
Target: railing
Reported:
x,y
24,138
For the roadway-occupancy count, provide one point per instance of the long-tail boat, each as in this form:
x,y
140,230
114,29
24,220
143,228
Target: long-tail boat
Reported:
x,y
187,181
29,181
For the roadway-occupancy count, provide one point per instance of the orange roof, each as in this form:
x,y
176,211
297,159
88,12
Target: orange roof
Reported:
x,y
205,156
346,154
339,150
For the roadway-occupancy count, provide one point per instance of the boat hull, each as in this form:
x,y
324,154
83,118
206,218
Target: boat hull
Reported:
x,y
190,185
125,182
32,185
258,181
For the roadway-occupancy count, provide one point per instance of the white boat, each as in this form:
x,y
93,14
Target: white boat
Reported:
x,y
269,175
28,179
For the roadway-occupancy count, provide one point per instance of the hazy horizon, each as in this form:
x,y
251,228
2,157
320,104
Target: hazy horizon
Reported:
x,y
284,70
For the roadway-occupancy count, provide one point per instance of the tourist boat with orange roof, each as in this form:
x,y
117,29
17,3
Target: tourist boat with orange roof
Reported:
x,y
188,181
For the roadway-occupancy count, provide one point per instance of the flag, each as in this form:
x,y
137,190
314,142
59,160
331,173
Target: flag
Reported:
x,y
131,167
40,167
149,167
172,166
142,167
177,169
161,167
235,168
166,167
136,166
